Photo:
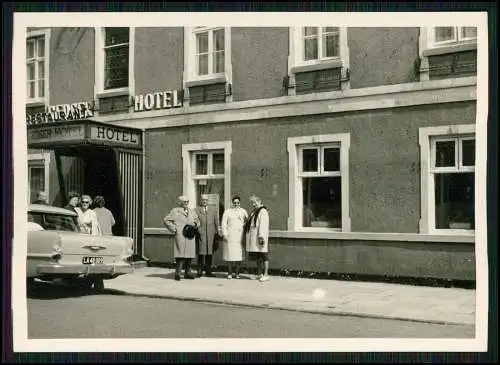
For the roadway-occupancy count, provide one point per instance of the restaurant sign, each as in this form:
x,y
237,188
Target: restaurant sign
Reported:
x,y
61,113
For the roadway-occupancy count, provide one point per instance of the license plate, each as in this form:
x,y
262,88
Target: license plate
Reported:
x,y
90,260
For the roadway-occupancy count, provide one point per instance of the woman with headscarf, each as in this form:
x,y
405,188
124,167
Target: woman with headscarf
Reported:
x,y
233,220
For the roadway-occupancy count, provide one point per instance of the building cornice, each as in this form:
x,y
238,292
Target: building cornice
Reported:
x,y
380,97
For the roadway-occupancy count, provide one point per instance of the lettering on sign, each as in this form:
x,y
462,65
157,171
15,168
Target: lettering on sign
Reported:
x,y
159,100
56,133
60,113
113,134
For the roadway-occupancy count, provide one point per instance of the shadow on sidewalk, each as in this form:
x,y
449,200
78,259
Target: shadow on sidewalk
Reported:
x,y
218,275
48,291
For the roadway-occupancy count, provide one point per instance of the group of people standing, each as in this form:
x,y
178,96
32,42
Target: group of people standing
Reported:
x,y
94,217
198,233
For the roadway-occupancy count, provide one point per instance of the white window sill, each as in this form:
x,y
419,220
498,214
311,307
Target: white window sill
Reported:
x,y
453,48
206,80
317,65
35,102
113,92
453,237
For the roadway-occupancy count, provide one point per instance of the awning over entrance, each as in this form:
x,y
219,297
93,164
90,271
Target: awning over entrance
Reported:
x,y
73,133
105,160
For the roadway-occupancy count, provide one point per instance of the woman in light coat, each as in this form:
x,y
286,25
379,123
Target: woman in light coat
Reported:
x,y
184,248
233,221
257,237
88,217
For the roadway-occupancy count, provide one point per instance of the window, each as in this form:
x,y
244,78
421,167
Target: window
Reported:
x,y
320,43
114,76
37,51
319,182
116,59
449,35
38,175
209,52
318,60
448,185
207,171
207,56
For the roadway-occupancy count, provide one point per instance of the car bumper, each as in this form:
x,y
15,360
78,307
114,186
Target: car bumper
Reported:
x,y
84,270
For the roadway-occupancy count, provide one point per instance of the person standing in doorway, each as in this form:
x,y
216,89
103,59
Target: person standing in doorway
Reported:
x,y
183,222
104,216
233,221
209,226
73,202
88,217
257,237
41,198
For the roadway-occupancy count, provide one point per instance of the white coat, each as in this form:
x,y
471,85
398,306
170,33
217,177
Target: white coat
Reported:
x,y
232,224
259,229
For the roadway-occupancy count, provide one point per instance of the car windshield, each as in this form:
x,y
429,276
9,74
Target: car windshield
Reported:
x,y
54,221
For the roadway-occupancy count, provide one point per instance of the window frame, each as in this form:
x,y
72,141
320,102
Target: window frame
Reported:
x,y
39,101
458,39
190,61
189,177
100,65
428,137
296,64
427,47
295,204
38,160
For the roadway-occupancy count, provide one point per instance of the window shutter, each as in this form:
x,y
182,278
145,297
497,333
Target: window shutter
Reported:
x,y
207,94
453,65
114,104
304,82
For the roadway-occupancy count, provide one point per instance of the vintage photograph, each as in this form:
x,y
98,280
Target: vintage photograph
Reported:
x,y
262,179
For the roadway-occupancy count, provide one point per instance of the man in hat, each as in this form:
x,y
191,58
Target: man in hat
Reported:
x,y
209,226
183,222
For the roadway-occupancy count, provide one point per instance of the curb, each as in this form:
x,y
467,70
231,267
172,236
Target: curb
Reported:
x,y
287,308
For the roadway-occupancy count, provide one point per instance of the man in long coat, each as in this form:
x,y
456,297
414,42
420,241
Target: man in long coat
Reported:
x,y
184,247
209,226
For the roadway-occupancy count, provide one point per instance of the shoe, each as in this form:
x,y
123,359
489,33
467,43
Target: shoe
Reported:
x,y
177,278
210,275
258,277
229,277
237,276
189,276
198,275
264,278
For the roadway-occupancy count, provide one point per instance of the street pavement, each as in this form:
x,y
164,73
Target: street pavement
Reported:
x,y
55,312
333,297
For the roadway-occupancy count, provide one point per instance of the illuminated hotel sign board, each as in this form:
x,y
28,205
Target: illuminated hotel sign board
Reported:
x,y
58,135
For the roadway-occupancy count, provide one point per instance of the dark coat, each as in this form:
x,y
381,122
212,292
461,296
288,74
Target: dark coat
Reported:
x,y
209,226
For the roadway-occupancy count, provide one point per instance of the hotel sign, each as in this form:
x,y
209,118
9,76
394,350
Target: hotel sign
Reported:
x,y
87,132
61,113
111,134
158,100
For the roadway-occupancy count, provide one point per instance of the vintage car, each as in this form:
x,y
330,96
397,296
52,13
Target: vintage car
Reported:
x,y
58,249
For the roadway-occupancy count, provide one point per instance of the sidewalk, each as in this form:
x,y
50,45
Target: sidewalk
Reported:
x,y
366,299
